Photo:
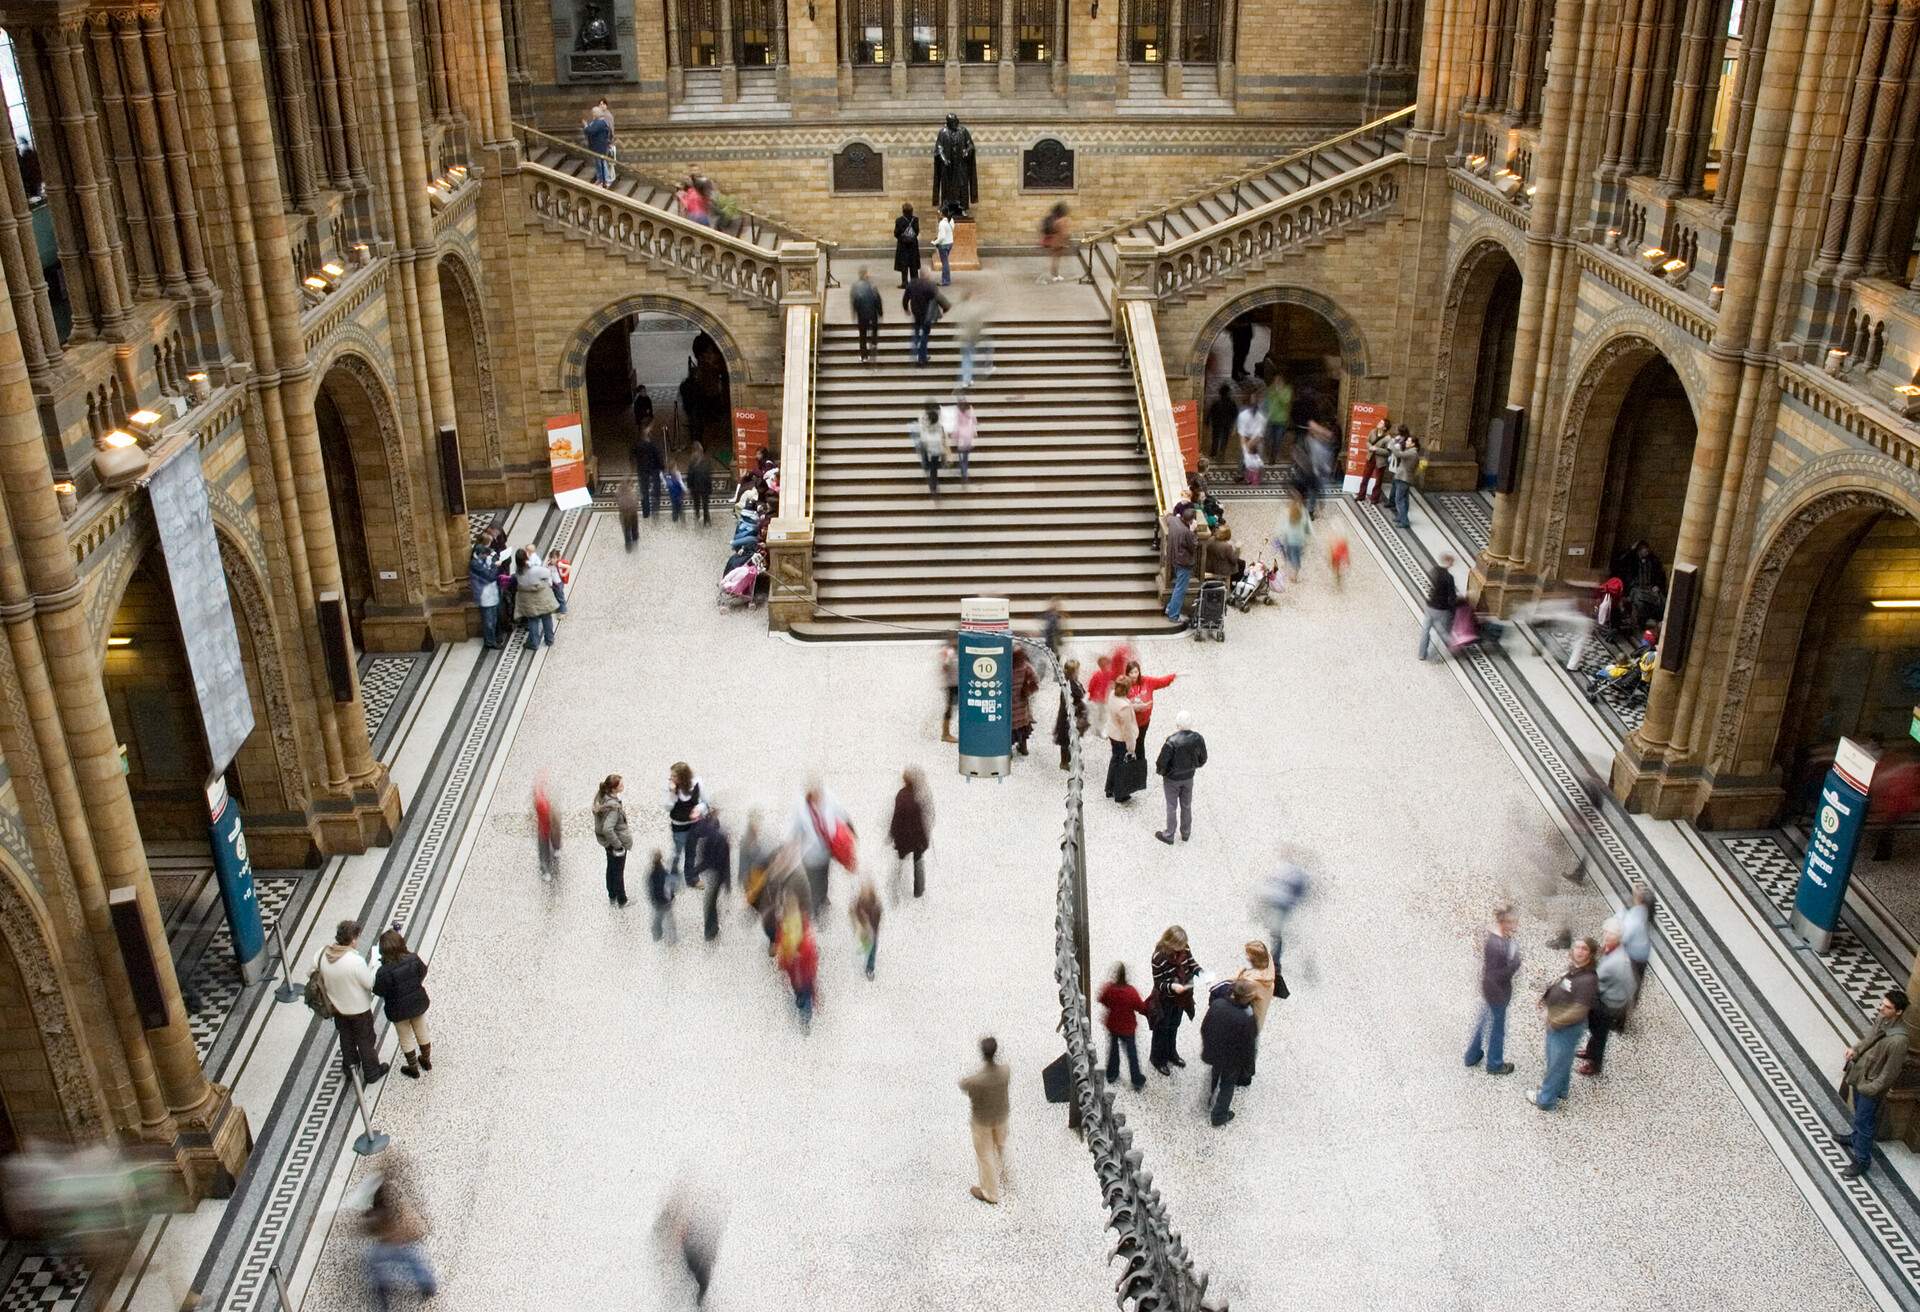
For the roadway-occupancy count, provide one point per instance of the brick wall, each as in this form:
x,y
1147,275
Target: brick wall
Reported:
x,y
26,1082
1303,58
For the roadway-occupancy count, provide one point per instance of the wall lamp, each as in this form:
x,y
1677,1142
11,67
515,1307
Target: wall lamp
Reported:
x,y
120,640
119,460
1895,603
1095,11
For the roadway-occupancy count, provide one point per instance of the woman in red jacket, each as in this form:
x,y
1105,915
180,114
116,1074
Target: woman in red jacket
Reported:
x,y
1143,690
1124,1008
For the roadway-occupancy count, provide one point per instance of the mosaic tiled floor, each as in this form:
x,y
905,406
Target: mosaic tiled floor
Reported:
x,y
212,984
1627,711
45,1283
1469,514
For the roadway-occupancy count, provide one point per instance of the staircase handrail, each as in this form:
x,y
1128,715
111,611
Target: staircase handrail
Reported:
x,y
779,227
1379,126
1159,433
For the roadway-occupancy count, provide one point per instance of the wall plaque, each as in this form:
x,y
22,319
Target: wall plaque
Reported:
x,y
859,167
1047,165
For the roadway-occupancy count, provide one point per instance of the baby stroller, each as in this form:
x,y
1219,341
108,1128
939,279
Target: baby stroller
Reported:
x,y
741,585
1631,674
1470,630
1210,615
1256,583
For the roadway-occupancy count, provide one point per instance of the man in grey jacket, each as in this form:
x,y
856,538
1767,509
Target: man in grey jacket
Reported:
x,y
1181,756
1403,458
1615,977
1873,1064
1183,550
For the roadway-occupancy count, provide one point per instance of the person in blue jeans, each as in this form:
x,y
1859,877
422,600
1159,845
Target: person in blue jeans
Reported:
x,y
1873,1064
1403,460
1183,549
1499,963
483,578
1566,1005
533,601
923,303
1443,595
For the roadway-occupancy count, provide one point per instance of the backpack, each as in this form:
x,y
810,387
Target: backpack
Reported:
x,y
315,994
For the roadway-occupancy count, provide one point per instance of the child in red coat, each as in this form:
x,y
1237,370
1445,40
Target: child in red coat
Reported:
x,y
1124,1007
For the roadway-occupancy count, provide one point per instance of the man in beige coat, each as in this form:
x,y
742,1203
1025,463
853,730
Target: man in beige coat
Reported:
x,y
986,1091
1873,1064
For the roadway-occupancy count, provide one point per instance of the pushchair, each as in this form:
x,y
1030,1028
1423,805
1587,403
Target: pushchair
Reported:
x,y
1210,614
1631,674
747,530
744,584
1255,584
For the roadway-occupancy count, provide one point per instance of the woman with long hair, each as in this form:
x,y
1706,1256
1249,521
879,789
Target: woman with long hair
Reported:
x,y
911,829
685,803
1173,971
611,831
401,983
1144,687
1122,730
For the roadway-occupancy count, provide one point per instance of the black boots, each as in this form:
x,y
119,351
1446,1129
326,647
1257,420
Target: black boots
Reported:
x,y
410,1070
426,1056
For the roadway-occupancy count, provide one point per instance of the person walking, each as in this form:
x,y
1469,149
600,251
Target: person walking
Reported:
x,y
533,602
1173,971
346,981
1181,756
401,986
483,579
627,502
546,832
1499,963
950,680
906,245
1229,1037
1055,230
712,866
1220,417
964,429
559,575
700,484
1123,1007
1071,720
611,831
1403,460
1873,1064
817,820
685,797
660,898
943,247
930,443
924,304
1276,407
1636,934
865,915
1123,731
1443,595
970,318
649,464
1566,1004
1183,549
1613,979
988,1111
393,1257
867,309
911,829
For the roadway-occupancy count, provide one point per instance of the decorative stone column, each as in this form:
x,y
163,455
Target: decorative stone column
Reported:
x,y
790,535
729,66
1229,35
954,80
1008,38
1175,37
897,73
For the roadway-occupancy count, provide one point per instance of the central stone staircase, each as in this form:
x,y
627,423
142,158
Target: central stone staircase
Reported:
x,y
1060,501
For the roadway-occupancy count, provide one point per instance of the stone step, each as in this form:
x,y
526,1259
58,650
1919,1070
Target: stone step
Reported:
x,y
961,548
825,628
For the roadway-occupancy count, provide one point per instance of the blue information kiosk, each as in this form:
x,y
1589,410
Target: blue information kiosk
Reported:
x,y
1835,838
985,652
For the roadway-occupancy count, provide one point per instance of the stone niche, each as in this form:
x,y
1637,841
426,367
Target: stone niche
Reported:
x,y
1046,165
593,41
858,169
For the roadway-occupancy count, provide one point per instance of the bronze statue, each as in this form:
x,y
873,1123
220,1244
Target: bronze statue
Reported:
x,y
594,32
956,182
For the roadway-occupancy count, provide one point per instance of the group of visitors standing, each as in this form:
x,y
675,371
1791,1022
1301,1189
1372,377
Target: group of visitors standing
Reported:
x,y
520,587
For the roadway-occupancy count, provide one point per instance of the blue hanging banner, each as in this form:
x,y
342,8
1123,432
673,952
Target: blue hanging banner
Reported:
x,y
1837,824
234,869
986,688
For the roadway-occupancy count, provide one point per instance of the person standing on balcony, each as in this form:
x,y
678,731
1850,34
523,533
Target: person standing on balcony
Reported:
x,y
943,246
906,245
597,128
867,308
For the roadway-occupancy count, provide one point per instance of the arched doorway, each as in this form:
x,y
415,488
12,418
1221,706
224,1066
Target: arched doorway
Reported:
x,y
1630,449
466,361
1277,340
1476,351
367,525
150,697
687,380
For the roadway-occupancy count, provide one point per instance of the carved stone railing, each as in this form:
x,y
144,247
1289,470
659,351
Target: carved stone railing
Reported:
x,y
790,536
1238,246
580,210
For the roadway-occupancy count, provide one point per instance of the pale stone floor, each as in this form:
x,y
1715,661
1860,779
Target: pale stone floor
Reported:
x,y
581,1068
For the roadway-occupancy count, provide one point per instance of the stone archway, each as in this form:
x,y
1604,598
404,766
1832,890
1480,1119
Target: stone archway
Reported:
x,y
1611,449
573,361
375,529
1474,357
1354,356
41,1025
476,408
268,766
1303,336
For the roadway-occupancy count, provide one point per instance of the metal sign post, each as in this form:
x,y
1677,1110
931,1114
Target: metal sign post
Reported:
x,y
371,1141
287,991
280,1287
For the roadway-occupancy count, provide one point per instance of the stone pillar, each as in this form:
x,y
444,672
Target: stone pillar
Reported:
x,y
117,139
729,66
1123,56
1690,116
1431,91
897,72
150,146
1229,34
952,25
60,93
1175,37
1753,46
1522,103
1875,187
781,73
676,53
1008,39
20,263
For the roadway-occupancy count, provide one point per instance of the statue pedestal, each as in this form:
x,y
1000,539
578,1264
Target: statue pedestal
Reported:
x,y
966,245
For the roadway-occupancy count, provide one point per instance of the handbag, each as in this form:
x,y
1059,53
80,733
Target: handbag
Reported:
x,y
1562,1014
1133,773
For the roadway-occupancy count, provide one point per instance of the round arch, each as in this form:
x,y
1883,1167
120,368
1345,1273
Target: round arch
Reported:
x,y
476,408
1476,309
30,965
271,779
1583,463
571,378
1353,344
367,484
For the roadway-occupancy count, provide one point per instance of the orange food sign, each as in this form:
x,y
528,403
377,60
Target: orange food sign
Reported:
x,y
1186,425
1360,422
749,439
567,462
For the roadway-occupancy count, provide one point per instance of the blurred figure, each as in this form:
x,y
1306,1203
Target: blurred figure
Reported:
x,y
346,980
950,680
1339,555
784,878
1442,596
1228,1039
1123,1008
660,898
1181,756
393,1258
693,1235
865,914
700,484
1636,935
970,320
1053,625
1025,684
712,865
988,1111
1873,1064
1613,979
1403,461
818,823
1279,896
560,571
1499,963
1566,1004
867,309
964,430
1291,534
1173,971
546,830
611,831
92,1201
401,986
911,830
628,502
798,953
1071,721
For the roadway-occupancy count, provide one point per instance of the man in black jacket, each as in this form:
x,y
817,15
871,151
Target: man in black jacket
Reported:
x,y
1442,596
646,453
1228,1038
1181,756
